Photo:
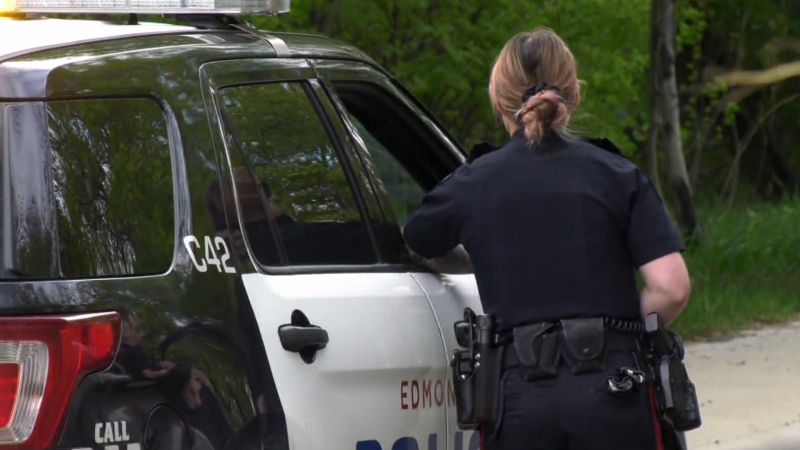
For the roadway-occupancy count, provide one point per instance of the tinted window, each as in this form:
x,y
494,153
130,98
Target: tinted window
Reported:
x,y
403,155
403,191
293,195
111,187
28,244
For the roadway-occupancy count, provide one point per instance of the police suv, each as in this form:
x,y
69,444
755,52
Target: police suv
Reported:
x,y
200,240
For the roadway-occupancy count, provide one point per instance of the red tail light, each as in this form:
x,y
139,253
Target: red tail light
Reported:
x,y
42,359
9,381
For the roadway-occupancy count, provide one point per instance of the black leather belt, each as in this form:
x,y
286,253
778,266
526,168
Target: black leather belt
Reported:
x,y
615,341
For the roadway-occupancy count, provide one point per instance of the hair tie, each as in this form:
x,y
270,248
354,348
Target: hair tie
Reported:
x,y
536,89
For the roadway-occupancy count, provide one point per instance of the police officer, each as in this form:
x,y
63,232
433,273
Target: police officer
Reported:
x,y
556,229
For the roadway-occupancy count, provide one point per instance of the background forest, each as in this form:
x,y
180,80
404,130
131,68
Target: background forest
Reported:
x,y
703,94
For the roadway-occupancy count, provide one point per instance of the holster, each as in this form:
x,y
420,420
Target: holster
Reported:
x,y
679,394
477,376
676,395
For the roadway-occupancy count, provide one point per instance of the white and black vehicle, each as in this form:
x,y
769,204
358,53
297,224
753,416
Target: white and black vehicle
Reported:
x,y
200,238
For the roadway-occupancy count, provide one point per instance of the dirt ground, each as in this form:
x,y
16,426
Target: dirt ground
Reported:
x,y
749,390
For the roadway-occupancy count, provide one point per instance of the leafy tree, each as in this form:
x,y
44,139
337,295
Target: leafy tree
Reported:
x,y
443,51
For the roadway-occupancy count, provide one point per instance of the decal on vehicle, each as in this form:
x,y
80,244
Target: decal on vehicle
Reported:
x,y
113,436
128,446
429,393
210,258
460,442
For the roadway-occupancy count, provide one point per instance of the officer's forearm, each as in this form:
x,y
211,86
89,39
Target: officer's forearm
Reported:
x,y
665,303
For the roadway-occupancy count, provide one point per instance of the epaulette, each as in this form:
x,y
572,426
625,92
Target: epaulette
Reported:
x,y
480,149
606,145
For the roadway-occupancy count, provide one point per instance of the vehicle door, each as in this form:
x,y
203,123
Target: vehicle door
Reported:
x,y
345,333
406,154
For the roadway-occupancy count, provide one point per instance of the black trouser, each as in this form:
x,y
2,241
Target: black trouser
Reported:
x,y
574,412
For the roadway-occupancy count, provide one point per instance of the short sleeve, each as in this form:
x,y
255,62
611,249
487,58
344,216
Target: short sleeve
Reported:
x,y
434,229
651,233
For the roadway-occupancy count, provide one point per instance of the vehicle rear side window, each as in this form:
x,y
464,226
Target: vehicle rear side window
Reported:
x,y
294,197
111,180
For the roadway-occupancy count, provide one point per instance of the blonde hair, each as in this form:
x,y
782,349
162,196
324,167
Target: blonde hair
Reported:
x,y
538,65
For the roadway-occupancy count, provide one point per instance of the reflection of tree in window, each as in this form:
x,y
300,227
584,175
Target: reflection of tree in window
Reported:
x,y
288,148
112,185
296,158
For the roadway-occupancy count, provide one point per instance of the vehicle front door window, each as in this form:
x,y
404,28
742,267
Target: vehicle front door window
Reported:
x,y
403,156
295,200
404,192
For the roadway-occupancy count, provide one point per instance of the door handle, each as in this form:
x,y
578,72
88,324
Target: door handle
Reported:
x,y
302,338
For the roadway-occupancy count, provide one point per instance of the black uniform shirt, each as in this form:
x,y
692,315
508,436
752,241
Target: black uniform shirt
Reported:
x,y
554,231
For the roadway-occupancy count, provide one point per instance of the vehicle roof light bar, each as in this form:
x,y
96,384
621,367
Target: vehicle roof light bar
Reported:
x,y
228,7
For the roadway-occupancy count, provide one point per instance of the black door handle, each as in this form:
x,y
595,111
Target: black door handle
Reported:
x,y
302,339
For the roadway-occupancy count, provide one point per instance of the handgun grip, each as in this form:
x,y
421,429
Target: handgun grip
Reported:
x,y
658,334
653,323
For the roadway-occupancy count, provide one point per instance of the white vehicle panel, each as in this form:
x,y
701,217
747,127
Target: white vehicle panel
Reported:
x,y
359,392
449,295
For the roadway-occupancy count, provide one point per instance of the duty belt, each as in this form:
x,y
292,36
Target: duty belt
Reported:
x,y
583,343
616,341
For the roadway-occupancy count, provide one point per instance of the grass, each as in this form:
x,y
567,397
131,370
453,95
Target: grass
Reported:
x,y
746,272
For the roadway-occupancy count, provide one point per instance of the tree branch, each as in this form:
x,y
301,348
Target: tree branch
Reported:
x,y
772,75
730,180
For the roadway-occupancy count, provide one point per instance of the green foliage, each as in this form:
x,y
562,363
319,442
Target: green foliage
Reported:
x,y
610,41
692,22
111,222
746,271
305,177
740,35
443,51
730,113
445,58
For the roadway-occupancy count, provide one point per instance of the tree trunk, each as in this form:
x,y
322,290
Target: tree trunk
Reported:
x,y
677,177
650,153
784,177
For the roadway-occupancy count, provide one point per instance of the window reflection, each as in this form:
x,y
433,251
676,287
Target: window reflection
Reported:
x,y
111,186
28,243
287,175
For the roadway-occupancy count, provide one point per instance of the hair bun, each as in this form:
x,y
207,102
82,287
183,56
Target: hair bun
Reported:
x,y
543,112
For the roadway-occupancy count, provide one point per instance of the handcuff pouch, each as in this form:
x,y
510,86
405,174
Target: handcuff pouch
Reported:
x,y
584,344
